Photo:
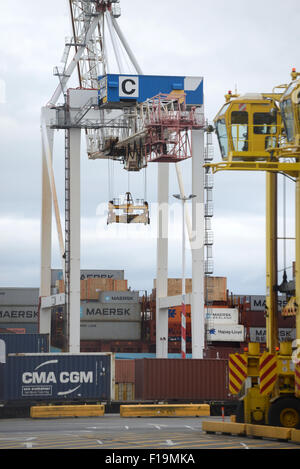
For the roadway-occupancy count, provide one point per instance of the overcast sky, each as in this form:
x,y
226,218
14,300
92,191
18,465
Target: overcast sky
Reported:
x,y
251,46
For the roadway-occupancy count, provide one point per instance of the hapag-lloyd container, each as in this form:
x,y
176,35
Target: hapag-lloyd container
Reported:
x,y
57,377
181,379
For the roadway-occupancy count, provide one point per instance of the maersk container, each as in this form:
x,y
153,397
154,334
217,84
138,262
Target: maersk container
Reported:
x,y
25,343
105,330
19,296
16,313
60,377
110,312
57,274
119,297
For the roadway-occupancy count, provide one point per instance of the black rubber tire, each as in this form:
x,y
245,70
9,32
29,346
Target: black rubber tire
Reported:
x,y
277,409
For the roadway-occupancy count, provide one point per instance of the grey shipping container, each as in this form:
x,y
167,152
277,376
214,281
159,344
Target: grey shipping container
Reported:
x,y
95,311
19,314
56,274
19,296
119,297
179,379
25,343
60,377
104,330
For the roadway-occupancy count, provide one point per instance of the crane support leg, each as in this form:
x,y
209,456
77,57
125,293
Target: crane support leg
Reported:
x,y
162,260
46,238
74,248
271,262
297,249
197,244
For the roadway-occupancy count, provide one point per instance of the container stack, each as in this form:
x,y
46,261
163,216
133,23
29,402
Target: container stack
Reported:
x,y
108,311
19,310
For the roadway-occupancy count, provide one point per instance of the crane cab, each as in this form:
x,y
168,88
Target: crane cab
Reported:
x,y
290,113
248,127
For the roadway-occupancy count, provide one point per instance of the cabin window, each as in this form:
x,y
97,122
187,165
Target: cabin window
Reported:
x,y
239,130
288,118
264,123
222,137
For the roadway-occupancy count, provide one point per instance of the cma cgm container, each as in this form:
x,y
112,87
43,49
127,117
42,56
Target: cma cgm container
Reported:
x,y
57,378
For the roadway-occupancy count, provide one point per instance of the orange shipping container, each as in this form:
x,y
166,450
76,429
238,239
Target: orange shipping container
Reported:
x,y
174,314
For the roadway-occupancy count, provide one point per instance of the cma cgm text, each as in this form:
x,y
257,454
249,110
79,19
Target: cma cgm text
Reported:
x,y
64,377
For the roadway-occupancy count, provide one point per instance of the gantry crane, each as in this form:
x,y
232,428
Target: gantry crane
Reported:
x,y
121,131
260,132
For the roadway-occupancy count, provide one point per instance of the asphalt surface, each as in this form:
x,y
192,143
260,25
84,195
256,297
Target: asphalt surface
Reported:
x,y
114,434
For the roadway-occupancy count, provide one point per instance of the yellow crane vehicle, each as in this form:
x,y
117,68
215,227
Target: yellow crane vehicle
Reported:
x,y
261,132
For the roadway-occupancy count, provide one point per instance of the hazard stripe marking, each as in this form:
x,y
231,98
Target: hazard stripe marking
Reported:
x,y
237,372
268,371
265,361
268,384
243,372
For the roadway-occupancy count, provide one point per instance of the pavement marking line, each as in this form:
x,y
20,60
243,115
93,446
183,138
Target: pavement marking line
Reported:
x,y
244,445
158,427
169,443
28,444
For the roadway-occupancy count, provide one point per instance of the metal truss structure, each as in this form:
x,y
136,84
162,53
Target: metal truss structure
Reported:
x,y
129,134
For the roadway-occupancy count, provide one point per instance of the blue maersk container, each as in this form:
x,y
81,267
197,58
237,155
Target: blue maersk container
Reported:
x,y
117,89
58,377
25,343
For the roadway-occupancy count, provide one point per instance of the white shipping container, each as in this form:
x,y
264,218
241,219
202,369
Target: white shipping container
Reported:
x,y
119,297
226,333
222,315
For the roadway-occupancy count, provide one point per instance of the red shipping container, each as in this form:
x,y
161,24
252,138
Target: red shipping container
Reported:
x,y
124,371
179,379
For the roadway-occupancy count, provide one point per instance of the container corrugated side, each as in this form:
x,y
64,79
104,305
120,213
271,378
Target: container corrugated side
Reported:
x,y
26,343
59,377
19,296
178,379
125,371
